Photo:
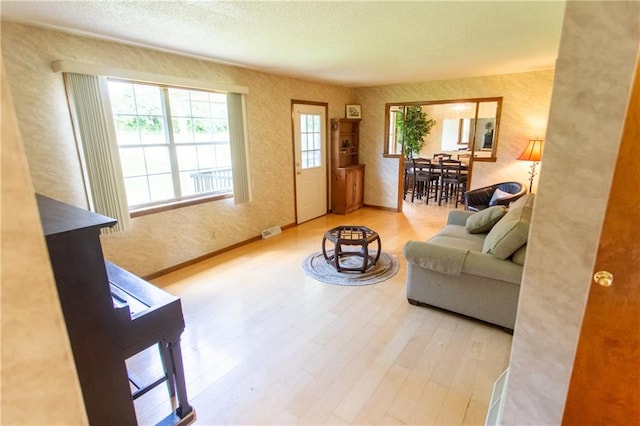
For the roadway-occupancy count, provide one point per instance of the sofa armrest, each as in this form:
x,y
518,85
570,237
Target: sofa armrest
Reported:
x,y
443,259
458,217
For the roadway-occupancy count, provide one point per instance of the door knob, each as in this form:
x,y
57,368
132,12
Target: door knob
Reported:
x,y
603,278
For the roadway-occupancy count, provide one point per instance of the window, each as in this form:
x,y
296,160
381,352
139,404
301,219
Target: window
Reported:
x,y
174,143
310,133
395,140
169,159
465,131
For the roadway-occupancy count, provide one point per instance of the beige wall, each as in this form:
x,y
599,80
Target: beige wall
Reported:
x,y
594,74
39,380
161,240
178,236
525,109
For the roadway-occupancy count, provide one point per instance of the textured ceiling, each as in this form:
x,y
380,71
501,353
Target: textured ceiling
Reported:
x,y
348,43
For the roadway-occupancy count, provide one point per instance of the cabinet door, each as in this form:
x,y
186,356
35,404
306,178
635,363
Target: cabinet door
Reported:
x,y
338,187
349,190
358,187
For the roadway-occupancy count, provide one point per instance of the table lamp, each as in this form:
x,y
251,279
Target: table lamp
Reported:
x,y
533,152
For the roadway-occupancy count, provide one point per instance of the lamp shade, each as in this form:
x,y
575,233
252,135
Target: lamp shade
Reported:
x,y
533,151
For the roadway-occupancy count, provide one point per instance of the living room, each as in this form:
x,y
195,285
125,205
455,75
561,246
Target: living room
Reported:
x,y
177,237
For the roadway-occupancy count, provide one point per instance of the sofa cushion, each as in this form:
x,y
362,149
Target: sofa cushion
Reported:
x,y
484,220
497,195
519,256
460,233
511,232
458,243
488,266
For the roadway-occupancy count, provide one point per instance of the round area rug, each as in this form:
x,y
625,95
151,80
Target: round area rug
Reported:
x,y
318,268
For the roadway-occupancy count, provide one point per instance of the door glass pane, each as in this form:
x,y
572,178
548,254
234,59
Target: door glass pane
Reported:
x,y
310,146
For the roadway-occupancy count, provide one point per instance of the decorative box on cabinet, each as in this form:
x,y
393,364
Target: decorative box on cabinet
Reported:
x,y
347,174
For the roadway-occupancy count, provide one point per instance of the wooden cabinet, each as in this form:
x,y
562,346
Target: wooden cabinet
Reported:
x,y
347,189
347,174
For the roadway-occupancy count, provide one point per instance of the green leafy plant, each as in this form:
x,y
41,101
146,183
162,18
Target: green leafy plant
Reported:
x,y
412,126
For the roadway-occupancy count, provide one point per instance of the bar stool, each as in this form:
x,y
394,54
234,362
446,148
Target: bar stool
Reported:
x,y
425,179
452,181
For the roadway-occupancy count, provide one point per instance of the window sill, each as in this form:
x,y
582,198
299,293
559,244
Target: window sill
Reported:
x,y
177,205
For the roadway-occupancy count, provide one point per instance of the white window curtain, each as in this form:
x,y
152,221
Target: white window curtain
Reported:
x,y
239,155
89,101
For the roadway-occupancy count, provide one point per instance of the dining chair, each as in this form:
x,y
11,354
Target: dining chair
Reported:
x,y
408,178
425,180
409,181
452,181
441,156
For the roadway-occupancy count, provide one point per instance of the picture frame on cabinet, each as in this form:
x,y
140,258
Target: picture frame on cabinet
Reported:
x,y
353,111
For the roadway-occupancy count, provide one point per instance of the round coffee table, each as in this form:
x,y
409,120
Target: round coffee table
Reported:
x,y
351,236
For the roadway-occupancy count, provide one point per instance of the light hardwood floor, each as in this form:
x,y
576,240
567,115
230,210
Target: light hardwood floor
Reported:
x,y
265,344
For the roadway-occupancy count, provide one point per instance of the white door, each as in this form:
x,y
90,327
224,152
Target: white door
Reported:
x,y
310,150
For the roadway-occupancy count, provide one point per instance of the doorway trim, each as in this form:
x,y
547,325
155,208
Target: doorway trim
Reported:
x,y
325,105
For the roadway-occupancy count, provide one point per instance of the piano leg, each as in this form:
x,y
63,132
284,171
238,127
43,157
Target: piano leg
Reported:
x,y
165,357
175,352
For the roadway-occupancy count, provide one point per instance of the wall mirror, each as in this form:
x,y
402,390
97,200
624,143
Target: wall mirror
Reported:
x,y
464,128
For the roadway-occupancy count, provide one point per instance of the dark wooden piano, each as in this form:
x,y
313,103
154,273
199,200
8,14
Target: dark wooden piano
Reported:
x,y
111,315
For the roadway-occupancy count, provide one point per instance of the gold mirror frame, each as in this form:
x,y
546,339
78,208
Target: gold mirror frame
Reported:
x,y
469,127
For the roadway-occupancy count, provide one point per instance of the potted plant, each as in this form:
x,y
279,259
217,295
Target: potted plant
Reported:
x,y
412,126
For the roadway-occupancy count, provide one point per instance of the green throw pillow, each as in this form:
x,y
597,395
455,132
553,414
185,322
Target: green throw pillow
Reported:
x,y
512,231
484,220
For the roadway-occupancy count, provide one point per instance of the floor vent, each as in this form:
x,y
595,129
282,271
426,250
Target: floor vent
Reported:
x,y
270,232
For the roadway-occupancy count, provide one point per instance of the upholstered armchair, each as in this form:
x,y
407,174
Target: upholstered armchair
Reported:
x,y
497,194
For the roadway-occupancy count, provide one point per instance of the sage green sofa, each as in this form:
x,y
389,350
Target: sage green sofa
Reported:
x,y
473,266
